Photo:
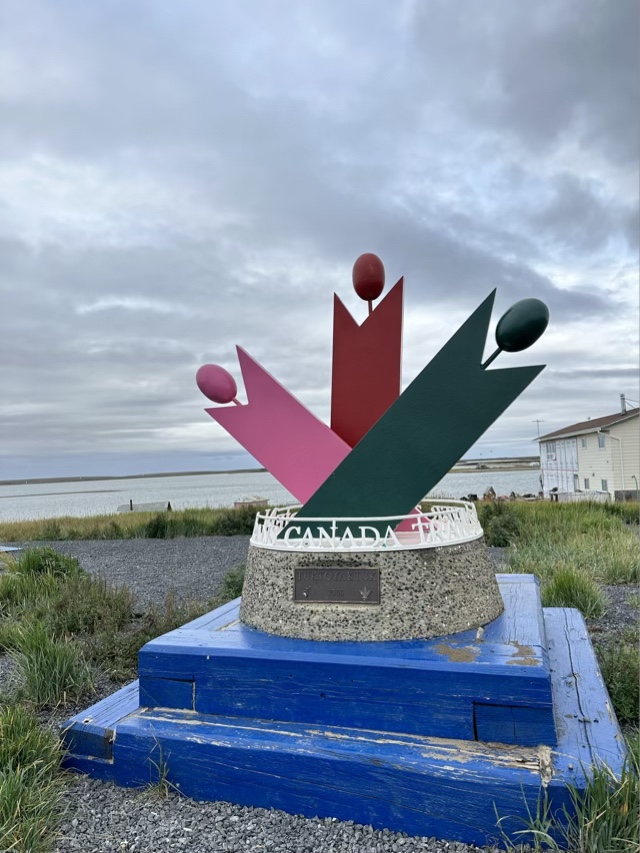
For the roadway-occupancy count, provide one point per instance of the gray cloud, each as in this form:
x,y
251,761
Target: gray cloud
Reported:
x,y
542,71
178,178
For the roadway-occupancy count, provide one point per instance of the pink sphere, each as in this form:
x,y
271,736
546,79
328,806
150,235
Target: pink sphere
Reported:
x,y
368,276
216,383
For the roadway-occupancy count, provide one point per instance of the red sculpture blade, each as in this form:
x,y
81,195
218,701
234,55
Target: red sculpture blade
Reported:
x,y
366,365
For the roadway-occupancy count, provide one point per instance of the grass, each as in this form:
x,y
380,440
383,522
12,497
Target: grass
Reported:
x,y
49,671
60,627
633,600
116,652
601,819
31,789
573,549
620,665
589,538
569,587
133,525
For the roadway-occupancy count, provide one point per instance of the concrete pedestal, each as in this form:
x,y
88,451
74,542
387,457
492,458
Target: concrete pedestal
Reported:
x,y
424,592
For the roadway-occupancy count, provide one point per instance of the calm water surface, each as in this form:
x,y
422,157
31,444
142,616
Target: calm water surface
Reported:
x,y
47,500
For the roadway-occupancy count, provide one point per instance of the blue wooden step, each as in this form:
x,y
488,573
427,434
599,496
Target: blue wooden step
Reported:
x,y
92,732
420,785
462,686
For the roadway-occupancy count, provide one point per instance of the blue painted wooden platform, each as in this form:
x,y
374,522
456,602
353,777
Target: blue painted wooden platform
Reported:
x,y
458,686
284,745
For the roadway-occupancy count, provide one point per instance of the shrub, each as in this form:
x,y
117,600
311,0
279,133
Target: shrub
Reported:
x,y
232,585
49,671
570,588
157,527
234,522
500,524
38,561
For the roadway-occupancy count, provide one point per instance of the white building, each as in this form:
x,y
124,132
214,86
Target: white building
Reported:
x,y
599,455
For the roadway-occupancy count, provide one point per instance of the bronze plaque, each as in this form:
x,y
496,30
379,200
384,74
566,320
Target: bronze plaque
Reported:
x,y
337,585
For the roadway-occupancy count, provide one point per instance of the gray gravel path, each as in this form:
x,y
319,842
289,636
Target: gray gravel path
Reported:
x,y
193,568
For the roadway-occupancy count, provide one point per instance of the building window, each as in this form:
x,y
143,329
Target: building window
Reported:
x,y
605,486
600,440
586,484
583,442
551,450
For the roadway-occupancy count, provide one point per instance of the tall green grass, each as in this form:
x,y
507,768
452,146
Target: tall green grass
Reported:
x,y
602,818
133,525
31,789
620,666
588,538
49,671
569,587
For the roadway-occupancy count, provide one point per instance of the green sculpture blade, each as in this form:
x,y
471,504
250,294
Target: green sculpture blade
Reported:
x,y
425,432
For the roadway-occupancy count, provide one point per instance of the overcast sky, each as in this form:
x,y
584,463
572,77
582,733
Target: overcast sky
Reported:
x,y
179,177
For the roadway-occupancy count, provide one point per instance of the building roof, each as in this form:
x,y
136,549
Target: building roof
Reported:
x,y
593,425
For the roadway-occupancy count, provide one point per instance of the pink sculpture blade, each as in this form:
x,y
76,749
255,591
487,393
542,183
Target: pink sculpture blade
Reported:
x,y
282,434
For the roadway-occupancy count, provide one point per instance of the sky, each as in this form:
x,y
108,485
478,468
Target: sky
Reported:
x,y
179,178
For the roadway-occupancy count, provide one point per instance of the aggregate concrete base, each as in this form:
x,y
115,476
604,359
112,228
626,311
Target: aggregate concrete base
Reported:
x,y
424,593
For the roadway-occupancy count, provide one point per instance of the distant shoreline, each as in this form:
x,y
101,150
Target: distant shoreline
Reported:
x,y
502,465
93,478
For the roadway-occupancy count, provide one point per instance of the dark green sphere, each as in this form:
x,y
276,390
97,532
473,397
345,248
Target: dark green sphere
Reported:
x,y
522,325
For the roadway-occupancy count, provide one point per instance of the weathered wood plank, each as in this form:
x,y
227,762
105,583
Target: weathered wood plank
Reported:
x,y
395,782
585,720
91,732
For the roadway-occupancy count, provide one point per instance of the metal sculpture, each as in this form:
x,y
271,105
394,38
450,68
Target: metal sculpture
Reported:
x,y
375,667
385,450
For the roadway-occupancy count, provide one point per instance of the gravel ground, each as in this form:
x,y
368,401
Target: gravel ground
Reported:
x,y
620,615
101,817
151,568
105,818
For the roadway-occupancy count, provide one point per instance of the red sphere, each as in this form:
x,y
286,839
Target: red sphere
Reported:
x,y
216,383
368,276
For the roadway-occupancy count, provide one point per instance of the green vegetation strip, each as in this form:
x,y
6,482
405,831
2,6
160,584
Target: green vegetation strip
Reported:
x,y
133,525
62,629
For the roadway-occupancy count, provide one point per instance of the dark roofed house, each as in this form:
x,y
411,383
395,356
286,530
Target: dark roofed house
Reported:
x,y
594,458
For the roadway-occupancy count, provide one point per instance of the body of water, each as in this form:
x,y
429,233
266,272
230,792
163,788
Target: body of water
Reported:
x,y
99,497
